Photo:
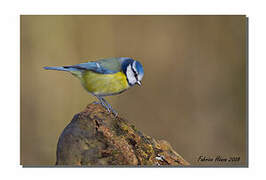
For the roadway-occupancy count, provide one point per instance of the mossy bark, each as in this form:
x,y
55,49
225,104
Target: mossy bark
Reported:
x,y
96,137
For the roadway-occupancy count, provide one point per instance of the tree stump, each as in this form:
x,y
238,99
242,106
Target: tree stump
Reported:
x,y
96,137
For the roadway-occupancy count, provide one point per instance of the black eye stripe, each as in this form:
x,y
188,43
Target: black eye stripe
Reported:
x,y
135,73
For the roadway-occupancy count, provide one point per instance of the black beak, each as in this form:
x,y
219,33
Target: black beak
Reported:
x,y
139,83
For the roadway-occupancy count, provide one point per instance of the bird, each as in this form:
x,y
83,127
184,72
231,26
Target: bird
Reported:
x,y
106,77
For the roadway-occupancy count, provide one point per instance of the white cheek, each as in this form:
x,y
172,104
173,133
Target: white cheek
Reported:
x,y
130,75
134,66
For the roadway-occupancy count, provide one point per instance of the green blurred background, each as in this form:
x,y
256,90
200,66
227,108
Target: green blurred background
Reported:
x,y
193,92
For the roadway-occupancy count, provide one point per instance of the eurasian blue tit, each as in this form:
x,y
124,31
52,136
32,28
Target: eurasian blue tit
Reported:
x,y
106,77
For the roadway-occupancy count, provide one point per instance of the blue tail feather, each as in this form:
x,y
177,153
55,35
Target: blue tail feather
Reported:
x,y
61,68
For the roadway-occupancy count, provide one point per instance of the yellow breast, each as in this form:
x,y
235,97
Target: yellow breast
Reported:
x,y
104,84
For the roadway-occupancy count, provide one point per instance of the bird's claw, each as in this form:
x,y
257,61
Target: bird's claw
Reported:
x,y
115,113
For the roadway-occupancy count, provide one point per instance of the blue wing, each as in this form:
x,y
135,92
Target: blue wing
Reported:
x,y
91,66
103,66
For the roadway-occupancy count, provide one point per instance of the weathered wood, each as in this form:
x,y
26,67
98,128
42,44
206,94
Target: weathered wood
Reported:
x,y
96,137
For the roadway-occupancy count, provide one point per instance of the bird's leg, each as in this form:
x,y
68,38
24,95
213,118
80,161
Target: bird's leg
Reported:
x,y
110,107
103,103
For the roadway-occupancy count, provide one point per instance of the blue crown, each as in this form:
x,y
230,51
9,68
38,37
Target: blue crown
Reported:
x,y
139,68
